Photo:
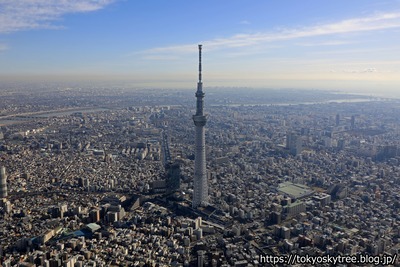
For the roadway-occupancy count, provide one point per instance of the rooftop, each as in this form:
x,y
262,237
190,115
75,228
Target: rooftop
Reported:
x,y
294,190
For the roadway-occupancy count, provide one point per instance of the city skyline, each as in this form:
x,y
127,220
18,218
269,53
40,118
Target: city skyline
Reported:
x,y
337,45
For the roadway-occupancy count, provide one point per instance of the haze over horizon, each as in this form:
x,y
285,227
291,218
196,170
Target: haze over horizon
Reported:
x,y
340,45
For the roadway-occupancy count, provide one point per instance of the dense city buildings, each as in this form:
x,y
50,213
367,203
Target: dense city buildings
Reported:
x,y
110,156
106,178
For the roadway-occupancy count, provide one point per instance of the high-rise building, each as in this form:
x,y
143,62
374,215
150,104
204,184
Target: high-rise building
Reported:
x,y
173,179
353,122
200,190
337,119
294,143
201,258
3,182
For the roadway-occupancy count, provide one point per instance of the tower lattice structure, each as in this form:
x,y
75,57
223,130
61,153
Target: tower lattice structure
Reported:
x,y
200,190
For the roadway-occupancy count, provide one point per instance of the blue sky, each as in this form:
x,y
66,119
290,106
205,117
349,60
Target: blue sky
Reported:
x,y
341,44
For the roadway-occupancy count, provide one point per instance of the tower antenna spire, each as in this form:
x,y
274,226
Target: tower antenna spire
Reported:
x,y
200,46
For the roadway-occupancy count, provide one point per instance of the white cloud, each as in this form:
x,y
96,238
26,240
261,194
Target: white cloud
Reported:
x,y
327,43
245,22
367,70
16,15
377,22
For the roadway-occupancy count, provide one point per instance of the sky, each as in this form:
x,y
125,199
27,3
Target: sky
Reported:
x,y
341,45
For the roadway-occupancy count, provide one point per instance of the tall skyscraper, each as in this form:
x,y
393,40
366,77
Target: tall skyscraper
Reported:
x,y
200,190
294,143
337,119
353,122
3,182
